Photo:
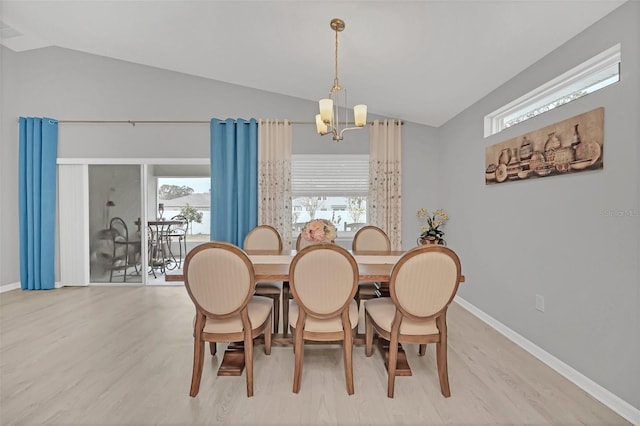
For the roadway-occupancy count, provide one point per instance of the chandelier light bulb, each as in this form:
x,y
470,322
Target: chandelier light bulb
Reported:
x,y
360,115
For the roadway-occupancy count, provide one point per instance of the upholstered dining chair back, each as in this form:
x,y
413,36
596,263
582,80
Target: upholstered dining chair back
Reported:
x,y
263,237
324,279
302,243
220,280
371,238
425,281
209,275
266,237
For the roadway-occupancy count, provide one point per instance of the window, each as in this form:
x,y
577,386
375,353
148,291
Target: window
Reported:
x,y
594,74
190,197
333,187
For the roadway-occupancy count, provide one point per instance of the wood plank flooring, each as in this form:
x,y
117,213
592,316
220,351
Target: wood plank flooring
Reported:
x,y
122,356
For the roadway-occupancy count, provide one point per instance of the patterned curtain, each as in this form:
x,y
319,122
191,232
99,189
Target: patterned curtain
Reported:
x,y
274,177
385,184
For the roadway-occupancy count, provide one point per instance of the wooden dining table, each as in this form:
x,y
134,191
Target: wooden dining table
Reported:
x,y
373,266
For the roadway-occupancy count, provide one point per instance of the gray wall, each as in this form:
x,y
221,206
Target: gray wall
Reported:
x,y
556,237
70,85
547,236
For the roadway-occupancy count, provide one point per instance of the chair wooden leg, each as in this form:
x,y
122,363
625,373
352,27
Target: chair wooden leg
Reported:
x,y
180,247
368,333
441,357
348,352
276,313
248,361
212,348
285,308
198,360
267,338
298,346
423,349
393,363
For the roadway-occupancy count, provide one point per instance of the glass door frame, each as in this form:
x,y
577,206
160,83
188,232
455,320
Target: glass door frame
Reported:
x,y
64,252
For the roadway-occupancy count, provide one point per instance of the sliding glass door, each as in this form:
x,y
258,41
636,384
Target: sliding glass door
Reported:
x,y
115,229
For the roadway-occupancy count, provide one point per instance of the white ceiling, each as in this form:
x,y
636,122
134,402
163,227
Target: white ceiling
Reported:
x,y
421,61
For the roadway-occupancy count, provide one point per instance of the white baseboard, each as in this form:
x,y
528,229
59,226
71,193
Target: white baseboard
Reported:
x,y
612,401
9,287
13,286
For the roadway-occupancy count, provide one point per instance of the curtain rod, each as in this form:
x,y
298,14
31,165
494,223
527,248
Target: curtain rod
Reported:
x,y
134,122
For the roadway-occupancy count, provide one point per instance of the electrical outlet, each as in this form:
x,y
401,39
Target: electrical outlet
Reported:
x,y
540,303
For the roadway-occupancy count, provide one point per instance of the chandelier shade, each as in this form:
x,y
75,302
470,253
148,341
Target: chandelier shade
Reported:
x,y
328,121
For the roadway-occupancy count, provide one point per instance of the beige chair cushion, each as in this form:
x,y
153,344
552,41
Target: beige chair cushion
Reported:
x,y
269,288
383,310
323,325
259,309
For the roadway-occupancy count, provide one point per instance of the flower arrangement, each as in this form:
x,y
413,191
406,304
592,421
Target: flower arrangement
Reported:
x,y
319,230
430,230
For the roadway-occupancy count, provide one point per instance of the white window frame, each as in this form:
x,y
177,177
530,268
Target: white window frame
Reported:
x,y
581,80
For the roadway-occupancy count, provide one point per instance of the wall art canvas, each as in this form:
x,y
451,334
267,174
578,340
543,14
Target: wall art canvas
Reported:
x,y
570,146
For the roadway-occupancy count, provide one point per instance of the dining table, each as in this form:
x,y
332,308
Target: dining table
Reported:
x,y
269,265
160,255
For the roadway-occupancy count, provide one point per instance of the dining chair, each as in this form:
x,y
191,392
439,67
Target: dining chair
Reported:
x,y
126,252
370,238
302,243
266,237
220,280
286,292
422,285
178,232
155,250
354,226
324,280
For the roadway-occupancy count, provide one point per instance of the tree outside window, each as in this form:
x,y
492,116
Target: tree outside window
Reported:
x,y
192,215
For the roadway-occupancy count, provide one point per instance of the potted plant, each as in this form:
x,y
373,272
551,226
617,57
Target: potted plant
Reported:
x,y
431,232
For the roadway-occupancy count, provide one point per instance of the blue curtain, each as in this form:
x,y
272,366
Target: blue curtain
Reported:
x,y
234,179
37,155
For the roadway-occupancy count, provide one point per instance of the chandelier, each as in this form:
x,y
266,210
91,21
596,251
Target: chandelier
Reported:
x,y
328,120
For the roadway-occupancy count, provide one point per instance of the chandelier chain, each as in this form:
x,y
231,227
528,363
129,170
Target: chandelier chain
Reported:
x,y
336,84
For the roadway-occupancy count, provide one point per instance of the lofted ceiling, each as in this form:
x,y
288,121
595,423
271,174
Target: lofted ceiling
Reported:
x,y
421,61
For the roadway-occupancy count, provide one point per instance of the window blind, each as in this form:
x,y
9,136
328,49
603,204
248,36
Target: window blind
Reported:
x,y
329,175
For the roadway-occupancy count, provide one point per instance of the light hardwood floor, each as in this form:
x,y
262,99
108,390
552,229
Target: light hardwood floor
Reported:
x,y
122,356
